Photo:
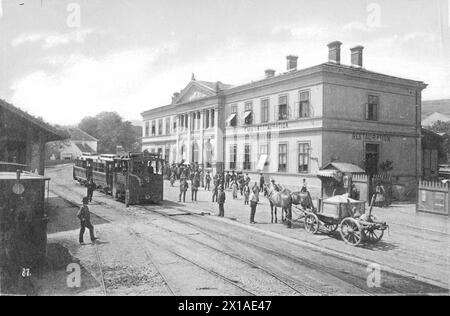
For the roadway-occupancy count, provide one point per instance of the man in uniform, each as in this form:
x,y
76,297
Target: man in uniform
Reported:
x,y
85,221
221,200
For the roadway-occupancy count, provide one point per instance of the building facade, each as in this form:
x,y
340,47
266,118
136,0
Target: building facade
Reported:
x,y
290,125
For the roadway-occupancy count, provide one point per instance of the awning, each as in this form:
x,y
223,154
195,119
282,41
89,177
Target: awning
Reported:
x,y
328,174
230,118
247,114
262,162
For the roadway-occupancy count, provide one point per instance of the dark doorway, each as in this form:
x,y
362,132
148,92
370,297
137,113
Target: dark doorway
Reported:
x,y
17,152
372,158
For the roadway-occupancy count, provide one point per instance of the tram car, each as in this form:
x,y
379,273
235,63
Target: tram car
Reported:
x,y
23,226
135,178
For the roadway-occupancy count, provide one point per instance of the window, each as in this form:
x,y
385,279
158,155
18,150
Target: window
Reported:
x,y
195,152
247,157
186,121
160,127
372,108
234,109
212,117
153,128
248,114
174,125
282,157
304,105
283,108
303,157
207,119
182,122
264,110
147,129
167,126
199,120
233,157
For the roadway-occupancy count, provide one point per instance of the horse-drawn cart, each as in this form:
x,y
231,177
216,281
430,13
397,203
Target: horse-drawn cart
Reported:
x,y
347,215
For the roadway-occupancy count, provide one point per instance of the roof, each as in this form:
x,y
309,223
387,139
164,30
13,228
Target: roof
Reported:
x,y
51,133
328,67
77,134
343,167
435,117
85,148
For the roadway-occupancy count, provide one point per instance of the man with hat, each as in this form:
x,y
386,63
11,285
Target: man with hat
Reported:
x,y
221,201
85,221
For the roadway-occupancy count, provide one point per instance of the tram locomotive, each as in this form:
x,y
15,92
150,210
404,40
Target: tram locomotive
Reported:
x,y
135,178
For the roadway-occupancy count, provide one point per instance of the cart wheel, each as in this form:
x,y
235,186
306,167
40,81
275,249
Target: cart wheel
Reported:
x,y
373,235
331,228
312,223
351,232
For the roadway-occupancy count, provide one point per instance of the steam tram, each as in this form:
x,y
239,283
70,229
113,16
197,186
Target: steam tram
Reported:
x,y
135,178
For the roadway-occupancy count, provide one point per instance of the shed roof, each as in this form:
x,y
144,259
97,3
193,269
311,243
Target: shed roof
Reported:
x,y
51,133
343,167
77,134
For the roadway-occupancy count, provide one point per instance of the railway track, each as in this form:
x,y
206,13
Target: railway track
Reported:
x,y
357,282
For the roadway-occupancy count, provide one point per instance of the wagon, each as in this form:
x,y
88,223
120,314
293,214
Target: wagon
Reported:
x,y
349,216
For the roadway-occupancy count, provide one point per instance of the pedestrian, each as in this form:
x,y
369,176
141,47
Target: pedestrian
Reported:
x,y
234,188
246,194
183,188
221,200
227,180
194,187
262,181
215,191
207,181
254,200
172,179
90,189
304,187
85,222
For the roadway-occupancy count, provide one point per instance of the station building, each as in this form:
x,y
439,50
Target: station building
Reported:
x,y
290,125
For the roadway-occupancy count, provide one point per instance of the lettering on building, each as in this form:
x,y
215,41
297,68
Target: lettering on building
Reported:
x,y
372,137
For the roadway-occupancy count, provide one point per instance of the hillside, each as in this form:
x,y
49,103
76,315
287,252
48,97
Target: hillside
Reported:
x,y
441,106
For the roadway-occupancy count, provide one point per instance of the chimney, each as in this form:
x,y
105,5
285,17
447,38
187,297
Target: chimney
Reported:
x,y
291,63
270,73
357,56
334,52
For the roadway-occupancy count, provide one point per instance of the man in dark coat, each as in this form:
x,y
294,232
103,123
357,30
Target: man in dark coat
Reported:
x,y
90,189
85,221
183,188
221,201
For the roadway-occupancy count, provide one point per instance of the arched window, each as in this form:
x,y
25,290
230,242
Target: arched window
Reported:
x,y
195,152
208,154
183,152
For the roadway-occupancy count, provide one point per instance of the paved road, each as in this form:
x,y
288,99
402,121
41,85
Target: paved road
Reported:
x,y
173,249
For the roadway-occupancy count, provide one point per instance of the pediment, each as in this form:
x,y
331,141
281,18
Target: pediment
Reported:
x,y
194,91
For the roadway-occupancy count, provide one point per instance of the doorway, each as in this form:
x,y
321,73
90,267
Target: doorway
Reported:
x,y
372,158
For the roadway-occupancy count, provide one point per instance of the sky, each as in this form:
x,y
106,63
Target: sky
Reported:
x,y
64,60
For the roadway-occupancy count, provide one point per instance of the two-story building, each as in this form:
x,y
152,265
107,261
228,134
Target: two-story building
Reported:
x,y
290,125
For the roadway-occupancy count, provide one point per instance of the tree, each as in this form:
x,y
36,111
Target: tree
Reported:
x,y
111,131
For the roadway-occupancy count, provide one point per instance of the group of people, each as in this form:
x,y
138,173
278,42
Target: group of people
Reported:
x,y
237,182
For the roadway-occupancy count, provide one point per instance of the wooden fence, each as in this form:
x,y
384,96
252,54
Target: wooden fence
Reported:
x,y
433,197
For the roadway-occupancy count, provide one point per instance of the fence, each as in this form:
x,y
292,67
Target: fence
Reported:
x,y
433,197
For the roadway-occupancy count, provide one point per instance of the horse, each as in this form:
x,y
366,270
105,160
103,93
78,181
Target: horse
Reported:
x,y
279,197
284,198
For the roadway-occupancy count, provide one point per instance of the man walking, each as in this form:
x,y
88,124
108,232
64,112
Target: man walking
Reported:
x,y
215,189
85,221
221,200
183,188
90,189
254,200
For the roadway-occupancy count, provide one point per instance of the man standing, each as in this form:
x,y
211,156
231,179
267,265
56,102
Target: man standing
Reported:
x,y
215,189
227,180
221,200
262,181
194,187
85,221
207,181
183,188
90,189
254,200
304,187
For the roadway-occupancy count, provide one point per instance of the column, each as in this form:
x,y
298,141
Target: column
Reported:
x,y
189,138
201,144
177,157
